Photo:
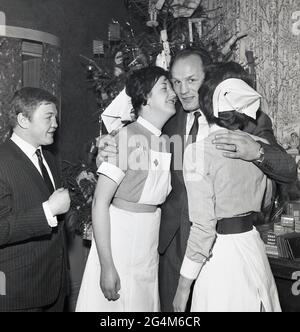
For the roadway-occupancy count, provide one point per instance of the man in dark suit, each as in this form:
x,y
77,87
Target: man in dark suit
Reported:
x,y
32,248
188,72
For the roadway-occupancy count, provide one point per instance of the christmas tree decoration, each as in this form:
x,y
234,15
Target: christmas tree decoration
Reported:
x,y
114,32
198,23
118,59
184,8
159,4
173,16
232,40
98,47
152,23
165,55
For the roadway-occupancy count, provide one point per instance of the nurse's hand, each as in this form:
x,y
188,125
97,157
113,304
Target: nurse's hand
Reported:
x,y
110,283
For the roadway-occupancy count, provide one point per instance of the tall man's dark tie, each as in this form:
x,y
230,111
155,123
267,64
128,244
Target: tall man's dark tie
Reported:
x,y
44,172
194,130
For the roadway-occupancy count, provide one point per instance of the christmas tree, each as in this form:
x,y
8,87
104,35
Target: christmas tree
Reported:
x,y
155,28
154,32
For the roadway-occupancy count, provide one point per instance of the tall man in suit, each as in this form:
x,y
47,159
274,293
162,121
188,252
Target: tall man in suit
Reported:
x,y
187,74
32,247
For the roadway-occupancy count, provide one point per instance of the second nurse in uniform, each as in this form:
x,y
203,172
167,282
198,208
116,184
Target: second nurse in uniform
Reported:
x,y
126,217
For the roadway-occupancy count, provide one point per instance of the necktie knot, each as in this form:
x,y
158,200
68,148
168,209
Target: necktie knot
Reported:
x,y
39,154
197,115
194,130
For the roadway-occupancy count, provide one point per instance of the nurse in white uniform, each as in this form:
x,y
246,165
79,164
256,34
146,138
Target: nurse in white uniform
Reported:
x,y
121,273
225,254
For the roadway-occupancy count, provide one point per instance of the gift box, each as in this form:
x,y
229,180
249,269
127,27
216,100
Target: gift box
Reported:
x,y
293,209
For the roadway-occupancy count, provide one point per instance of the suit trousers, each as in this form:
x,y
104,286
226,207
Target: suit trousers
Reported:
x,y
169,266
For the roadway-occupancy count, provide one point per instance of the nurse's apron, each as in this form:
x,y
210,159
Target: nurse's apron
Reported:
x,y
134,242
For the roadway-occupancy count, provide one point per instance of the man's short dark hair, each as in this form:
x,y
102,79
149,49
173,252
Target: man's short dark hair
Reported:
x,y
26,101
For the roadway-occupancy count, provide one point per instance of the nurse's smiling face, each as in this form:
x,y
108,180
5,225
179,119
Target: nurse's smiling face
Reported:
x,y
162,97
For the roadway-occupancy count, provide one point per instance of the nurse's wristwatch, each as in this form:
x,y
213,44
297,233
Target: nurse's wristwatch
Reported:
x,y
261,155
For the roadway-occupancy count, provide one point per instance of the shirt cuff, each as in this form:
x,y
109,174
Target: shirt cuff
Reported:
x,y
190,269
52,220
113,172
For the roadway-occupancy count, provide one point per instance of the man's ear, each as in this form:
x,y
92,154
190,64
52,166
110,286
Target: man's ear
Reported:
x,y
23,121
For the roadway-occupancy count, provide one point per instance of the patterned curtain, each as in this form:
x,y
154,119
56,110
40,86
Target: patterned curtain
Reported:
x,y
51,70
274,38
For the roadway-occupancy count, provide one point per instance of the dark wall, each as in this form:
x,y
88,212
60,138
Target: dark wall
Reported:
x,y
76,23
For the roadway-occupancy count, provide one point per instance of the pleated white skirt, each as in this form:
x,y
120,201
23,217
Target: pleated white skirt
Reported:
x,y
237,277
134,241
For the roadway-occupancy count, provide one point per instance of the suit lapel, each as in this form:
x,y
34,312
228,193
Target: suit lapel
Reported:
x,y
27,164
182,125
181,131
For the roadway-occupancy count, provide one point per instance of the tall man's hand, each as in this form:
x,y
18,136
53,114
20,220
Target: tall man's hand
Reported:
x,y
59,201
107,148
237,145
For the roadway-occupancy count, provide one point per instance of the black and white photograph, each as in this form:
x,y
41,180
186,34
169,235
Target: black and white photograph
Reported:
x,y
149,158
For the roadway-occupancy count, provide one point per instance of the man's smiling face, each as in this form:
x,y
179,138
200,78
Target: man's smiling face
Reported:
x,y
187,77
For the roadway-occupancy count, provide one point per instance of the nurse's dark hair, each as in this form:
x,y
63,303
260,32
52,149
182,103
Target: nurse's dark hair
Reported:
x,y
215,74
140,83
